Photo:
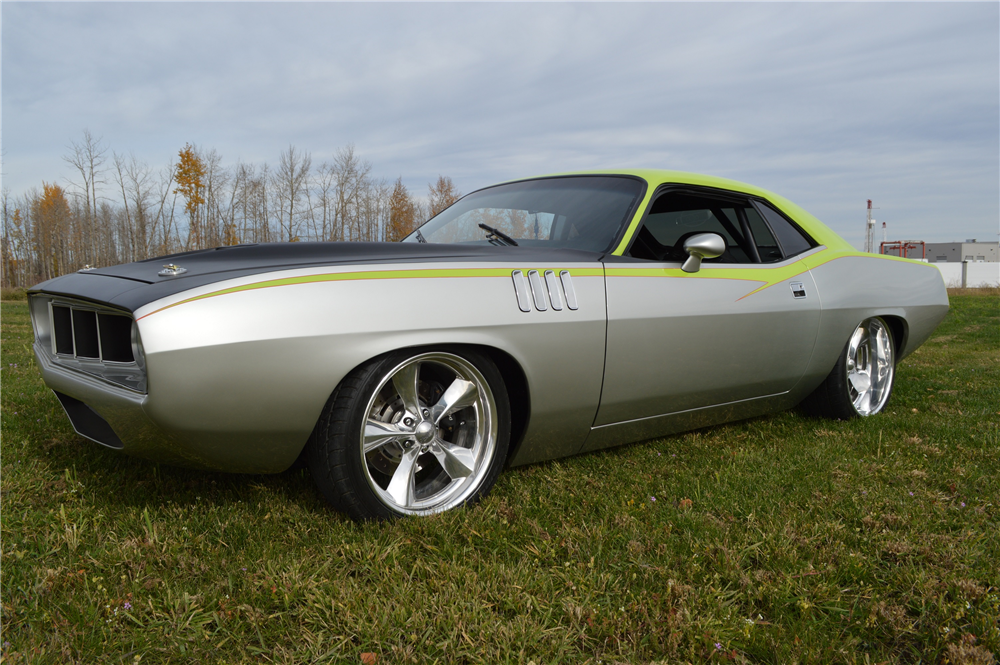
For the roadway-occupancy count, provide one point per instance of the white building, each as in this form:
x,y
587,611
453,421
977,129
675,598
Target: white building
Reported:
x,y
956,252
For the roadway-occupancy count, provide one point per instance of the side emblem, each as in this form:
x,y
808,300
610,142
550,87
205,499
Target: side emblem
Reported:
x,y
798,291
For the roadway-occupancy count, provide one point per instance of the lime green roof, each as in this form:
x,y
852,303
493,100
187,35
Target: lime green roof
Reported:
x,y
656,177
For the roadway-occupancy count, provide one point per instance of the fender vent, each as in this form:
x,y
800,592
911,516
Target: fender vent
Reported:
x,y
545,291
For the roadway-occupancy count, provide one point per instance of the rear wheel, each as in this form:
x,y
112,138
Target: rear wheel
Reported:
x,y
860,384
412,433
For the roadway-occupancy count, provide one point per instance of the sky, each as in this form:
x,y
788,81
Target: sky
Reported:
x,y
826,104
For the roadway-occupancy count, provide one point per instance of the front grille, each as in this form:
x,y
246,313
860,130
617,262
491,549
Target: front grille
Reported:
x,y
86,333
89,338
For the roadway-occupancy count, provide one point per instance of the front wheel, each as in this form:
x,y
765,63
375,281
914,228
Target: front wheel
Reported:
x,y
861,382
412,433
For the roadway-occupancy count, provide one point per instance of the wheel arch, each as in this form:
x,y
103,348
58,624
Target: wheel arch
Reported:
x,y
900,333
514,378
516,384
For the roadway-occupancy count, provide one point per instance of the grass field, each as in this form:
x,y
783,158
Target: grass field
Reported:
x,y
780,539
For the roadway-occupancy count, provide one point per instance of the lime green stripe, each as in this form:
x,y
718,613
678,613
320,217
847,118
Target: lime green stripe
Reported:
x,y
764,276
378,274
735,274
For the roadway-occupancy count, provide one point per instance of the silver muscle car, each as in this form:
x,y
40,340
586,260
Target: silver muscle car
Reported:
x,y
530,320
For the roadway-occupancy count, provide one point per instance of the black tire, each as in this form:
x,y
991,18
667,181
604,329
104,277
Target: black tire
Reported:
x,y
415,461
860,384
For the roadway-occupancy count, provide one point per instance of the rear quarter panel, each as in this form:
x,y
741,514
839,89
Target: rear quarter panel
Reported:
x,y
853,287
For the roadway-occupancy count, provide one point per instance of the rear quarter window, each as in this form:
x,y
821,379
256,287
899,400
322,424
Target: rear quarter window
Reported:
x,y
792,240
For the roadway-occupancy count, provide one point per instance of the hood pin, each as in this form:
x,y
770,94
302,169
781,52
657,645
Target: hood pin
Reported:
x,y
171,269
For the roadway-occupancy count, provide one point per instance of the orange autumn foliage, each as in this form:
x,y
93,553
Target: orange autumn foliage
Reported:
x,y
190,179
402,213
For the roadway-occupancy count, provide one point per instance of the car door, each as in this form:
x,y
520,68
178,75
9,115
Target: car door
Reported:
x,y
742,328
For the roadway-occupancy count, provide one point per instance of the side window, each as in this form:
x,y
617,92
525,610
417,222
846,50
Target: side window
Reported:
x,y
676,216
791,239
767,246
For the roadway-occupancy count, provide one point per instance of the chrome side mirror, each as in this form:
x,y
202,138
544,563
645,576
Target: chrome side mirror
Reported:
x,y
702,246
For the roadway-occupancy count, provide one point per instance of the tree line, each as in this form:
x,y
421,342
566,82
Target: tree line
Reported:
x,y
116,208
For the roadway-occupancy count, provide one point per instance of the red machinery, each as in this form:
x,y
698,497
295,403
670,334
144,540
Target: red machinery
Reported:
x,y
904,248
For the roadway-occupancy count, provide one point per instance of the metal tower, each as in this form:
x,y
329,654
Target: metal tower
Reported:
x,y
870,230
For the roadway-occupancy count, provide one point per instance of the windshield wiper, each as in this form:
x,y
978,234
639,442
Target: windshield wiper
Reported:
x,y
501,237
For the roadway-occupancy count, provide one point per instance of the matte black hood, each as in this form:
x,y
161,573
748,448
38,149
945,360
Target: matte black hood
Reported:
x,y
132,285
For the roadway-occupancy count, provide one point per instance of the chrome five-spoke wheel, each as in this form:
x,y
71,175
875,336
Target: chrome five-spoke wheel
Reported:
x,y
424,432
870,366
431,424
861,382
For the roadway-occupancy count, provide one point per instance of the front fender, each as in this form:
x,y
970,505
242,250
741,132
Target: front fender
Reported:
x,y
246,367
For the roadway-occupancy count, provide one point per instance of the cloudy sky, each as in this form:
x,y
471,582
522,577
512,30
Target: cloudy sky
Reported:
x,y
827,104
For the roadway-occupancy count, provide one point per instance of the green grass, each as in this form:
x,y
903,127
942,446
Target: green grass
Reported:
x,y
780,539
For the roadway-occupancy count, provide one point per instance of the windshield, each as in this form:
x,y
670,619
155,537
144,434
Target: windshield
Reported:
x,y
577,212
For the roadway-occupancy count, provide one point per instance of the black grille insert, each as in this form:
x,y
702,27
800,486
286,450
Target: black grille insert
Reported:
x,y
62,322
90,335
116,338
85,334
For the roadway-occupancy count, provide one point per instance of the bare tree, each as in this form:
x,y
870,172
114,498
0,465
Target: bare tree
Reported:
x,y
321,211
227,215
290,181
251,203
134,179
88,157
215,212
351,173
168,240
373,210
259,205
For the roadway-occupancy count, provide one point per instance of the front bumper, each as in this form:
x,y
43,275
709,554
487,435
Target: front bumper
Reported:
x,y
120,408
117,418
